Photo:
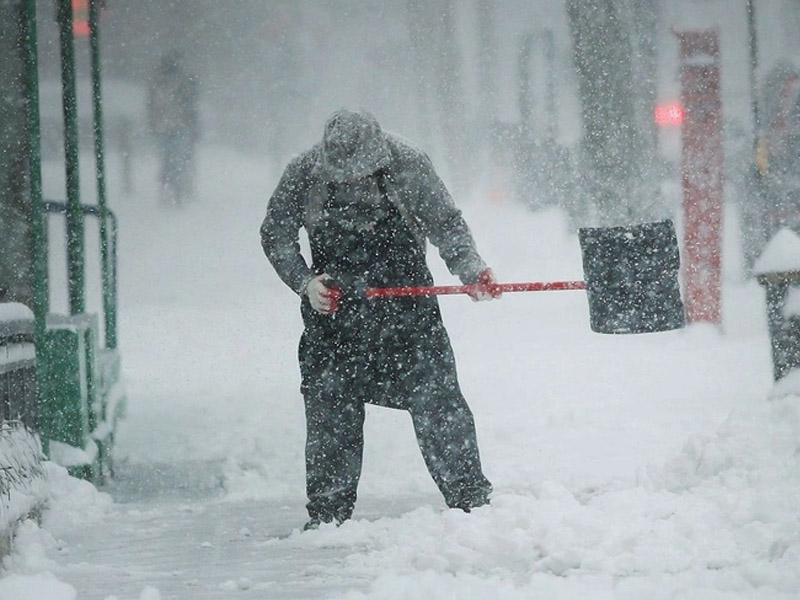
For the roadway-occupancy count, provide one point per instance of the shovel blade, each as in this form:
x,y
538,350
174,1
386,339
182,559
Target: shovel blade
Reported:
x,y
631,276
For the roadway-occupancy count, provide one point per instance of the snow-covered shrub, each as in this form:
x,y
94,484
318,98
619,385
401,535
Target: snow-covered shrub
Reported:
x,y
23,483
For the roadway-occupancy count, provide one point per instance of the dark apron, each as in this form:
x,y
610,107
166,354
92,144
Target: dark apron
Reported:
x,y
390,351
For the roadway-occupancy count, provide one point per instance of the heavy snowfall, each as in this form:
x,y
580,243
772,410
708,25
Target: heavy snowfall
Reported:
x,y
655,466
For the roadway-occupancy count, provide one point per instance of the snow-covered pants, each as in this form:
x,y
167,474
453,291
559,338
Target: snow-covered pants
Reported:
x,y
391,352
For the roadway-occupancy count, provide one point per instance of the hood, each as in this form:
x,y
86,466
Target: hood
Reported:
x,y
353,146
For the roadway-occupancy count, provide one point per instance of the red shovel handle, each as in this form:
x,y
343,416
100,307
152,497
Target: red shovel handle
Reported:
x,y
441,290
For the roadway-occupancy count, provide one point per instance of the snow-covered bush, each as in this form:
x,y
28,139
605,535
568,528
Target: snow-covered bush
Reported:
x,y
23,483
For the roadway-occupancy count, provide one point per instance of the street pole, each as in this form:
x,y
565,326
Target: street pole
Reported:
x,y
550,79
702,169
37,218
109,308
524,99
752,35
75,241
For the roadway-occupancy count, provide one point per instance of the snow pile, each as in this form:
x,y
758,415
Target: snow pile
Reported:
x,y
70,456
791,307
23,486
73,501
27,573
722,515
36,587
14,311
781,254
788,385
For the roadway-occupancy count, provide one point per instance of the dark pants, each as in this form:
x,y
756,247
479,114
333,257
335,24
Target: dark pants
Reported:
x,y
417,375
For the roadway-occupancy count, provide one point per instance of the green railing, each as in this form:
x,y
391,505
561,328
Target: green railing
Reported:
x,y
106,217
80,397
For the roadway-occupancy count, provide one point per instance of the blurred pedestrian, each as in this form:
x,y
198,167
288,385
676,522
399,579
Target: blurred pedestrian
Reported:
x,y
172,114
369,202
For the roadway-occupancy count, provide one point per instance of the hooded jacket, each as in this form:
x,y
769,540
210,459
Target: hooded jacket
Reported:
x,y
412,186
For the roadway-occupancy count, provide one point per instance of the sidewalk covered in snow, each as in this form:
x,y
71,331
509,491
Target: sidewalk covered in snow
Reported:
x,y
624,466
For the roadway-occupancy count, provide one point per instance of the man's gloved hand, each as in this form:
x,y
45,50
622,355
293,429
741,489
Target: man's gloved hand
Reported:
x,y
323,298
486,287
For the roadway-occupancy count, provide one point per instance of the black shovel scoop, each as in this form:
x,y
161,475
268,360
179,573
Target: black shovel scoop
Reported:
x,y
631,279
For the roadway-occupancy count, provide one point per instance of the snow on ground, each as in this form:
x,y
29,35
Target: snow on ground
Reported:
x,y
651,466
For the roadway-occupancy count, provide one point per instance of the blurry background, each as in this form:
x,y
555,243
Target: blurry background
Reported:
x,y
539,115
488,87
270,71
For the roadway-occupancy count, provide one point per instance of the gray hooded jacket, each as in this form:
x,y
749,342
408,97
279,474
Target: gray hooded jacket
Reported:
x,y
354,147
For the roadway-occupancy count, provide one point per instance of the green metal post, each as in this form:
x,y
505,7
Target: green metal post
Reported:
x,y
40,303
75,238
109,306
38,221
753,42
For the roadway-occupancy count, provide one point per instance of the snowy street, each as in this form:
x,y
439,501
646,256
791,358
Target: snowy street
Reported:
x,y
651,466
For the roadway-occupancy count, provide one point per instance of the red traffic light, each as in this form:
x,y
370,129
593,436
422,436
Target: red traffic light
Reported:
x,y
669,114
80,18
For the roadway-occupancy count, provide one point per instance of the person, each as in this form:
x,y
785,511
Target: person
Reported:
x,y
369,202
172,115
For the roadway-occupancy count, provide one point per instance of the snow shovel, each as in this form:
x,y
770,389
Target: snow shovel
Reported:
x,y
631,279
